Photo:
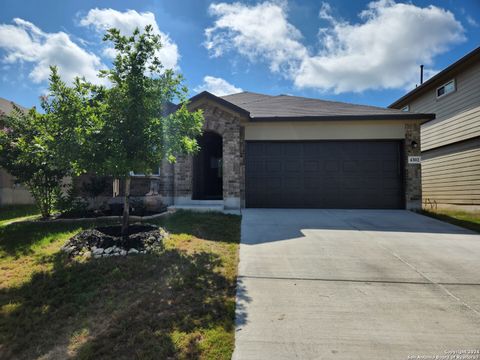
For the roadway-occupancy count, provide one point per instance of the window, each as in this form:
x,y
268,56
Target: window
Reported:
x,y
446,88
406,108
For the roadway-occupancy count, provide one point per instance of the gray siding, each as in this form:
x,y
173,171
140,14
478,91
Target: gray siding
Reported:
x,y
451,175
460,127
457,114
451,143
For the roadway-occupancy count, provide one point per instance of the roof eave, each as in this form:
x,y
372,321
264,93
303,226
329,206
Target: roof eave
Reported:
x,y
462,61
406,116
219,100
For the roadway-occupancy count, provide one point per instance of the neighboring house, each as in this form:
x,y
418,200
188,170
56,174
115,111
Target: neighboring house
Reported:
x,y
293,152
11,193
451,142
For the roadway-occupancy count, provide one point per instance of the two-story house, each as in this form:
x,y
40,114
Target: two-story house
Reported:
x,y
450,143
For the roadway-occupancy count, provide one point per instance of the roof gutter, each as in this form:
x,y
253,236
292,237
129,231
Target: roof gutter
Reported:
x,y
406,116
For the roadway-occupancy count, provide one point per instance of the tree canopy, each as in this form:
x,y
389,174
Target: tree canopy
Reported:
x,y
30,152
109,130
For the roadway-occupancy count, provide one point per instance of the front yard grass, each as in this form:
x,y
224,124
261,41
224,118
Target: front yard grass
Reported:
x,y
17,213
179,304
469,220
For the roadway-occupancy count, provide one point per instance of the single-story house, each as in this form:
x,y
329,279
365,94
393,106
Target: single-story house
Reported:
x,y
451,142
294,152
11,192
289,152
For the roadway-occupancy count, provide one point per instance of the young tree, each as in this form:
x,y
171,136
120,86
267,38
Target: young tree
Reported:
x,y
124,128
137,132
28,151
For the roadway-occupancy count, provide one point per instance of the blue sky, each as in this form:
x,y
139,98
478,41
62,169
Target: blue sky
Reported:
x,y
355,51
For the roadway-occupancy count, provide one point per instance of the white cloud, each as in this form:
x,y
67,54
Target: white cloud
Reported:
x,y
217,86
25,42
472,21
126,22
258,32
382,51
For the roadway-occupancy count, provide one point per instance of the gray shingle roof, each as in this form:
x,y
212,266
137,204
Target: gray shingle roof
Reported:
x,y
6,106
285,106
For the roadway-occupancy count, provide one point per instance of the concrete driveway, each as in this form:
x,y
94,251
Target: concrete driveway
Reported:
x,y
355,284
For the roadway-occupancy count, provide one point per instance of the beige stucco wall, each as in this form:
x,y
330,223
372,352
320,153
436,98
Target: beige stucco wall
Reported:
x,y
11,193
325,130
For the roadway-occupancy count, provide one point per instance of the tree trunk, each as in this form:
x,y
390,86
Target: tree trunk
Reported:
x,y
39,200
126,208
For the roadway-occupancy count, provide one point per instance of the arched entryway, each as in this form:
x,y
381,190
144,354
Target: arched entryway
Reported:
x,y
207,168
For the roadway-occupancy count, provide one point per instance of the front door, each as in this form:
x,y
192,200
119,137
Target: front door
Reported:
x,y
207,168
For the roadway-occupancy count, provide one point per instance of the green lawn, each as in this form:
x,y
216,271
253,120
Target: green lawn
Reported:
x,y
179,304
469,220
17,213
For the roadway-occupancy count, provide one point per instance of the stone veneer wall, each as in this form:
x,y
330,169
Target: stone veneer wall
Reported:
x,y
242,166
413,172
226,125
166,182
183,180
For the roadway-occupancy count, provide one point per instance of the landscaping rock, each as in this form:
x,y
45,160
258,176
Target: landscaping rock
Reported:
x,y
107,241
97,251
69,249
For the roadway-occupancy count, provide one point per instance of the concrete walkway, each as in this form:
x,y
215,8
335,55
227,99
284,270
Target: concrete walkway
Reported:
x,y
355,284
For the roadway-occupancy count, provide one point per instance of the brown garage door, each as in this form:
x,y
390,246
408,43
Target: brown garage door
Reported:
x,y
324,174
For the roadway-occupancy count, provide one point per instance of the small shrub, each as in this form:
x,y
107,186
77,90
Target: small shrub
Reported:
x,y
70,203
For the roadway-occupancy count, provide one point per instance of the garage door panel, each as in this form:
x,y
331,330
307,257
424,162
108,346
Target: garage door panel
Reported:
x,y
254,150
273,183
311,183
324,174
292,166
293,150
371,183
311,165
390,166
254,166
350,166
273,149
370,166
390,185
332,166
311,150
273,166
293,182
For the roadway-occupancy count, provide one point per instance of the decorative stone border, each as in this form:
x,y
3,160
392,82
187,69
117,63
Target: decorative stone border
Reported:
x,y
101,242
